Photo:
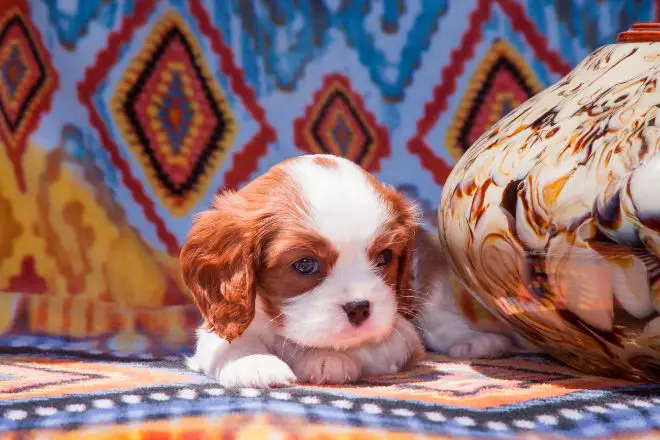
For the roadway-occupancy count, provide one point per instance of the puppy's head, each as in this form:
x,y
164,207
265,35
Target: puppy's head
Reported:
x,y
322,244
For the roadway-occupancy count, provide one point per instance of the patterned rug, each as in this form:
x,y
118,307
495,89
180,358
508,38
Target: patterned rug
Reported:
x,y
60,395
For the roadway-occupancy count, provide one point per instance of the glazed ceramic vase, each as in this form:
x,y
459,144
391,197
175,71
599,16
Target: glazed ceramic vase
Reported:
x,y
552,217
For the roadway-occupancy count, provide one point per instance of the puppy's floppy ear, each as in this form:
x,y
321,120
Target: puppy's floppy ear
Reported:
x,y
219,263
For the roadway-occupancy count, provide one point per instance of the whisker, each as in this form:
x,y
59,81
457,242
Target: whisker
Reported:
x,y
271,320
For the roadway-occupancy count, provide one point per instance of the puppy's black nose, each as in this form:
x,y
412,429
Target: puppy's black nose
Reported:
x,y
357,311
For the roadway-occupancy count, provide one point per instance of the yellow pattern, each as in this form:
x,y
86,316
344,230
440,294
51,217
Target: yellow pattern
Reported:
x,y
100,275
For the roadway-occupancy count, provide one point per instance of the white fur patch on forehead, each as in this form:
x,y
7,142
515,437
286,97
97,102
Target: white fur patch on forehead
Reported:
x,y
343,205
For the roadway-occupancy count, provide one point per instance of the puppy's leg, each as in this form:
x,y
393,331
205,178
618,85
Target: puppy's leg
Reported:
x,y
325,366
401,350
444,330
316,365
246,362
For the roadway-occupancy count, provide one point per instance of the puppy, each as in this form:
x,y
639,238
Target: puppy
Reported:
x,y
315,272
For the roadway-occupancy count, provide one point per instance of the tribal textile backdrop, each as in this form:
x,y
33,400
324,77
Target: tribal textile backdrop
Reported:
x,y
120,119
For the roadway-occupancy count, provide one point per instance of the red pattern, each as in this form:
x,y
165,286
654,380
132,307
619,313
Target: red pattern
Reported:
x,y
177,171
28,281
501,81
459,57
36,105
321,110
95,74
244,162
484,119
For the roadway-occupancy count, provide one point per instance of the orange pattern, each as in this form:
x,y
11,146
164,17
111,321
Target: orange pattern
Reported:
x,y
44,377
259,427
120,399
232,427
72,265
487,384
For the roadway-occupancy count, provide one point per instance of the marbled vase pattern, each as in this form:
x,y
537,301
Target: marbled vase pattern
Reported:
x,y
552,217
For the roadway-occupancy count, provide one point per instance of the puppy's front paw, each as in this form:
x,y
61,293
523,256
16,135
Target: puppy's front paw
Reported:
x,y
480,345
406,331
256,371
326,367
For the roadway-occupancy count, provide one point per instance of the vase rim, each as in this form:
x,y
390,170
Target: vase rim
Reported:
x,y
641,33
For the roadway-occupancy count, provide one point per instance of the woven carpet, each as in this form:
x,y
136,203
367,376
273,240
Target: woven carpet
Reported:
x,y
56,394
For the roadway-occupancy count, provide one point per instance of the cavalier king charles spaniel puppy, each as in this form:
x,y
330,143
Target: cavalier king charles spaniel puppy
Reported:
x,y
317,273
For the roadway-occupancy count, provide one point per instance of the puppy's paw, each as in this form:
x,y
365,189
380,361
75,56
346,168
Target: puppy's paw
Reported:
x,y
256,371
414,344
326,367
481,345
402,350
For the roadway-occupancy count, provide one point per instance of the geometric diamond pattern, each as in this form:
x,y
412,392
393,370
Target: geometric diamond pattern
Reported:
x,y
13,72
28,377
501,82
526,397
27,81
174,113
174,118
479,385
502,19
392,66
22,71
338,123
174,110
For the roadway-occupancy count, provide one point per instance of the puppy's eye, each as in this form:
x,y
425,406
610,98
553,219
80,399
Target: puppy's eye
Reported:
x,y
384,258
306,266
